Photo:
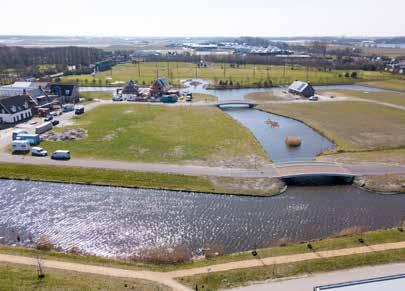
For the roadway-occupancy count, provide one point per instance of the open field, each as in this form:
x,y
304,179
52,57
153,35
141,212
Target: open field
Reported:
x,y
245,75
383,184
388,97
164,134
389,52
263,96
241,277
353,126
396,85
91,95
18,277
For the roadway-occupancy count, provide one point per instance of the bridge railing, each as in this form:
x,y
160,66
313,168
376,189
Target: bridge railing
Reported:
x,y
303,162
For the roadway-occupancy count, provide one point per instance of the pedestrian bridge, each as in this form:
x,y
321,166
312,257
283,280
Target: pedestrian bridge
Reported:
x,y
311,168
236,103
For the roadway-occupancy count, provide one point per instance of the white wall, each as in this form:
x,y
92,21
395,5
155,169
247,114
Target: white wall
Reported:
x,y
14,118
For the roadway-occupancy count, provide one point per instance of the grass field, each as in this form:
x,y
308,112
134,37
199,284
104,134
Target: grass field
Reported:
x,y
353,126
22,278
388,97
164,134
383,156
265,96
200,97
145,73
396,85
91,95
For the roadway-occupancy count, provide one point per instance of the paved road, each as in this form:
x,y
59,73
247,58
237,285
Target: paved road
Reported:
x,y
307,283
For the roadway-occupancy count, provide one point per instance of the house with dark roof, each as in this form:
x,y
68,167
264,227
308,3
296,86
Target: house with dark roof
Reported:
x,y
65,93
130,88
37,96
159,87
14,109
300,88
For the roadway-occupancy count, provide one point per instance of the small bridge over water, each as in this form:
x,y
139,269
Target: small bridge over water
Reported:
x,y
236,103
311,168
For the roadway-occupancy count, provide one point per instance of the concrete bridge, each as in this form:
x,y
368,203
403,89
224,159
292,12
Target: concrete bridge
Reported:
x,y
239,103
311,168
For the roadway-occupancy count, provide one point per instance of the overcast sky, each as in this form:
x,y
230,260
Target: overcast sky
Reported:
x,y
203,18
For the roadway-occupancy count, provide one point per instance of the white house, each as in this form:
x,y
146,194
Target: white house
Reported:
x,y
15,109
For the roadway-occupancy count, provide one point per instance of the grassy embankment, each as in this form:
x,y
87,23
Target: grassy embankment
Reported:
x,y
147,180
348,241
200,97
18,277
244,75
163,134
395,98
396,85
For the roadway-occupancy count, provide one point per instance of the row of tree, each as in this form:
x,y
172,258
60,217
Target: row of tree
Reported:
x,y
20,57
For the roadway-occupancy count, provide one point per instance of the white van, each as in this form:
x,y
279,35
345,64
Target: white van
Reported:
x,y
20,147
60,155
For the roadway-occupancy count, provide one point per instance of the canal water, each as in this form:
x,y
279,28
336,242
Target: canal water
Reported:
x,y
111,221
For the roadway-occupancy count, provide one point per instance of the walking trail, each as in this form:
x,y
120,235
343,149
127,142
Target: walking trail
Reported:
x,y
168,278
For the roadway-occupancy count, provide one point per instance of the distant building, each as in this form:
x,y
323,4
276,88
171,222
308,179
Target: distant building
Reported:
x,y
65,93
14,109
130,88
159,87
303,89
102,66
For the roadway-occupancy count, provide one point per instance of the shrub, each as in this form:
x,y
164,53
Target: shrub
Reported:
x,y
44,244
164,255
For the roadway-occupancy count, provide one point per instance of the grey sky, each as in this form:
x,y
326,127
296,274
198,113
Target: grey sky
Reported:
x,y
203,18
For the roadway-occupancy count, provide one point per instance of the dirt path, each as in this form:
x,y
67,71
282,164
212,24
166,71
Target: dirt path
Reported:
x,y
167,278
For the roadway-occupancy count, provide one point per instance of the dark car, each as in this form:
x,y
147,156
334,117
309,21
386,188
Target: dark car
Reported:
x,y
48,118
55,122
79,110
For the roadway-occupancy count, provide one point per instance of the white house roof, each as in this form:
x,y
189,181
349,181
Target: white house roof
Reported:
x,y
298,86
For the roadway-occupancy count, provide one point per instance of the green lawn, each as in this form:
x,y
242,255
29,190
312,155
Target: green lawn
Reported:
x,y
396,156
91,95
388,97
353,126
396,85
21,278
241,277
163,134
244,75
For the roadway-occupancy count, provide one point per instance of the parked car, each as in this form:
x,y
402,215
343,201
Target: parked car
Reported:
x,y
38,152
55,122
68,107
17,132
56,113
48,118
43,127
33,139
79,110
60,155
20,147
314,98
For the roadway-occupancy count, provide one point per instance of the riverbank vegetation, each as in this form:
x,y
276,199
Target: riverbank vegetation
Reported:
x,y
19,277
394,84
164,134
395,98
396,156
383,184
225,74
352,125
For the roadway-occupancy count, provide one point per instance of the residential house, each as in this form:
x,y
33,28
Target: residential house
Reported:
x,y
65,93
159,87
14,109
303,89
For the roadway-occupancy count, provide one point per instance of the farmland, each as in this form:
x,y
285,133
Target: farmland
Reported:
x,y
162,134
396,85
244,75
353,126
